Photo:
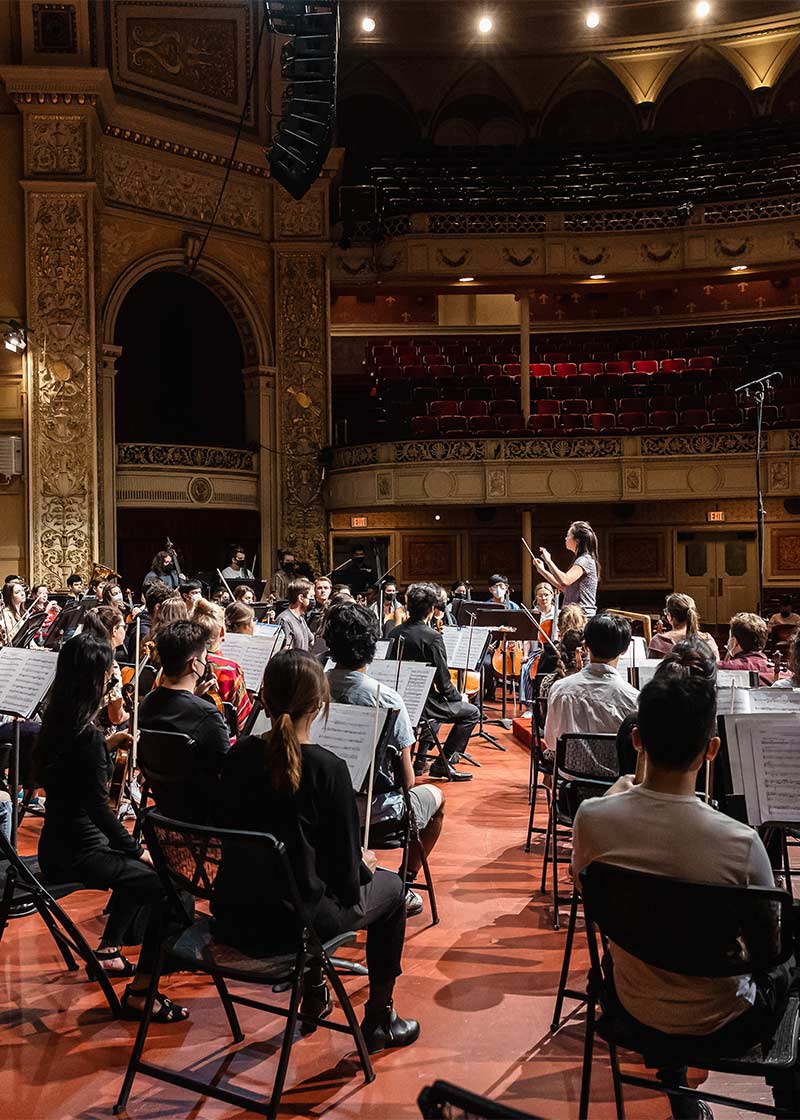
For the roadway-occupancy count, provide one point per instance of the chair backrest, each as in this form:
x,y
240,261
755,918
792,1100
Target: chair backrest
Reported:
x,y
590,755
693,929
174,774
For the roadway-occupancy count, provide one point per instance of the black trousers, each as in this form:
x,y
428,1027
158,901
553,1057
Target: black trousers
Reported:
x,y
381,911
464,717
136,897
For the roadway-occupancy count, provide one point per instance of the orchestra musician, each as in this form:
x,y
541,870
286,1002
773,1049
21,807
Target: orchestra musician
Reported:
x,y
544,598
240,619
75,585
191,590
237,567
315,618
231,686
244,594
163,568
13,610
684,621
292,621
283,576
499,592
579,582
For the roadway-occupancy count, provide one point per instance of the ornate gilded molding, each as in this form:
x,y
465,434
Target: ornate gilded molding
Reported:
x,y
302,360
180,455
56,145
150,184
305,218
438,450
699,443
187,151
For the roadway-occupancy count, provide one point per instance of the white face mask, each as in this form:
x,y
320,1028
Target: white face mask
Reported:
x,y
498,591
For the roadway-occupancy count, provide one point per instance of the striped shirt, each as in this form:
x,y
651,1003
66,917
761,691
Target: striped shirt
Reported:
x,y
231,686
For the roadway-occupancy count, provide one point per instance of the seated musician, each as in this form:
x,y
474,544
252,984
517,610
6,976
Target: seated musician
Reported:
x,y
240,619
661,827
684,622
499,594
155,594
597,699
315,617
82,840
191,590
172,609
179,705
544,599
420,642
292,620
793,680
458,590
745,649
231,687
352,633
244,594
784,616
75,585
237,565
113,596
441,612
13,610
284,784
107,624
162,569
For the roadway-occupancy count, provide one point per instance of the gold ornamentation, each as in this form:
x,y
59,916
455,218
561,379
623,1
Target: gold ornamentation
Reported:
x,y
152,185
299,219
721,443
302,348
198,54
62,386
184,455
56,145
453,262
185,150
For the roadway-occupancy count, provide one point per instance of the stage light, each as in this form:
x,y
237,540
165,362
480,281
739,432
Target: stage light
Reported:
x,y
738,268
437,517
15,338
465,279
702,9
485,25
368,24
593,19
598,276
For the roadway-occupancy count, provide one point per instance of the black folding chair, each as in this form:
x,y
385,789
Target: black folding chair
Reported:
x,y
539,764
692,929
588,762
189,858
443,1101
22,885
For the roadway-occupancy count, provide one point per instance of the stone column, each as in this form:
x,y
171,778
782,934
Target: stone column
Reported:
x,y
62,422
107,454
261,425
527,566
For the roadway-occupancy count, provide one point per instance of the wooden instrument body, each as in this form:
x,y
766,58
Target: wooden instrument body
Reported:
x,y
547,626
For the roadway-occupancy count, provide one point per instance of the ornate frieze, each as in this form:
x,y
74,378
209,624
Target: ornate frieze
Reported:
x,y
149,184
302,358
305,218
187,151
185,455
699,443
56,145
62,397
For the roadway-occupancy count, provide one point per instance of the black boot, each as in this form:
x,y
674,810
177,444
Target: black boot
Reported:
x,y
383,1028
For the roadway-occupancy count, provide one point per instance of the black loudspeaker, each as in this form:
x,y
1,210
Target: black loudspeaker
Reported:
x,y
308,63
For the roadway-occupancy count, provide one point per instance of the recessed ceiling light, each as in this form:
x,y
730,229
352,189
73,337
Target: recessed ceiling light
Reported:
x,y
598,276
738,268
465,279
437,517
368,24
593,19
702,9
485,25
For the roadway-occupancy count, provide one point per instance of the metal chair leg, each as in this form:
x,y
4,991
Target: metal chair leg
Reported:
x,y
230,1011
588,1048
618,1098
562,983
288,1039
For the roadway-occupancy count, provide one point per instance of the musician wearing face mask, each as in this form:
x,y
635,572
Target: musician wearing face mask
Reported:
x,y
284,575
163,568
498,593
237,566
356,574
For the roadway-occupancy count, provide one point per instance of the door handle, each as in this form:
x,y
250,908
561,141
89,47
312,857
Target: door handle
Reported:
x,y
719,587
711,587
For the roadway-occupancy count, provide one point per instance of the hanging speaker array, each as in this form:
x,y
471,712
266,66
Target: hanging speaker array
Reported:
x,y
308,65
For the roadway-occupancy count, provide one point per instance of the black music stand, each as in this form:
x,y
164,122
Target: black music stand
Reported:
x,y
488,614
67,621
27,632
256,585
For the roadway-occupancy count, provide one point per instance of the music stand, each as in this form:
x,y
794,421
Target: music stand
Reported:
x,y
68,619
26,633
488,614
257,586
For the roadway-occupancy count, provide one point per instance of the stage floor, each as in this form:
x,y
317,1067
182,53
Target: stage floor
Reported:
x,y
482,984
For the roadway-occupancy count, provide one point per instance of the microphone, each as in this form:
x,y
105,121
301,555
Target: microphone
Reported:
x,y
769,379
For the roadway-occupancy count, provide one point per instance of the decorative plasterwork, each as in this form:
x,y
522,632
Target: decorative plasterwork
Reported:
x,y
166,188
303,219
187,151
183,455
56,145
145,487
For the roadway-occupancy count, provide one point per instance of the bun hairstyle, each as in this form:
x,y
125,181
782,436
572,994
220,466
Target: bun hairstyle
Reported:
x,y
683,610
691,657
586,541
294,685
210,616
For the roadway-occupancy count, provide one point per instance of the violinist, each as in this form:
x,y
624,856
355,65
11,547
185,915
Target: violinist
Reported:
x,y
163,568
191,590
231,686
112,596
240,619
13,609
244,594
172,609
442,615
108,625
544,598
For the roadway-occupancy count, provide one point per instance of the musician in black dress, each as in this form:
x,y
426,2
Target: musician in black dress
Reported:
x,y
82,840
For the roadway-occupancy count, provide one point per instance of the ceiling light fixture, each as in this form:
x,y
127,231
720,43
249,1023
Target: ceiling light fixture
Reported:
x,y
368,24
598,276
738,268
465,279
702,9
593,19
485,25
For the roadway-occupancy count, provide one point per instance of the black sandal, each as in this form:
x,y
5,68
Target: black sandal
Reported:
x,y
164,1010
105,957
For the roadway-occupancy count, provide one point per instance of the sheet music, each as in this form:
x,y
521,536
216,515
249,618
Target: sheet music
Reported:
x,y
413,683
635,654
381,649
646,669
251,654
726,678
768,700
25,676
265,629
348,733
457,641
776,760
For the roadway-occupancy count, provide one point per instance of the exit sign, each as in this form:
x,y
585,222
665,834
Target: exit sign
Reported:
x,y
715,515
358,522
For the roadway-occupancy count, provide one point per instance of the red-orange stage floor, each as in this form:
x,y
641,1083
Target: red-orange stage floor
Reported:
x,y
482,984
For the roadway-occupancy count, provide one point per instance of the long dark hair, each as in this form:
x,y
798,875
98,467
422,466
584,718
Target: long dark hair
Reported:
x,y
294,685
586,541
158,562
8,598
76,694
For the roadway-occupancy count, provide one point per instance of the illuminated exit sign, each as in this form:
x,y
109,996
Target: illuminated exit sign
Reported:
x,y
715,515
358,522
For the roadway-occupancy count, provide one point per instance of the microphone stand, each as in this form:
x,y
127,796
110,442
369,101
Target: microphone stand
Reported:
x,y
758,390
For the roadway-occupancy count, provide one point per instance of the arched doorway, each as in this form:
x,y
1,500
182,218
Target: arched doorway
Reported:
x,y
179,389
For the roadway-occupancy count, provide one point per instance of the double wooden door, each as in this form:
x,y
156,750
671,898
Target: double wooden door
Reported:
x,y
719,570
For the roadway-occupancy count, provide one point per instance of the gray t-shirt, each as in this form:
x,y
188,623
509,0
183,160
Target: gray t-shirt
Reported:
x,y
349,686
584,590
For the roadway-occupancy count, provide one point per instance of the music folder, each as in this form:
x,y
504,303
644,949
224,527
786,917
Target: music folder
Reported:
x,y
763,764
25,677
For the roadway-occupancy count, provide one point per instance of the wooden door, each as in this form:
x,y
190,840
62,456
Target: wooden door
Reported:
x,y
719,571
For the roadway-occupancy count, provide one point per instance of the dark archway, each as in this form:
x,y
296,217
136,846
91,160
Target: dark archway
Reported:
x,y
372,125
701,106
589,116
179,379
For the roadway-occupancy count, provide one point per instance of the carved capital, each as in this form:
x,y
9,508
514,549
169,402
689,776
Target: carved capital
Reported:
x,y
110,355
259,379
57,145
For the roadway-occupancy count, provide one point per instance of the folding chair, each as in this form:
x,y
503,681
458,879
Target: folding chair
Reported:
x,y
538,764
443,1101
745,931
189,858
590,761
21,883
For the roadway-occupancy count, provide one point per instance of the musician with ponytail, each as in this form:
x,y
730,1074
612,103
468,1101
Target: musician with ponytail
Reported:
x,y
579,582
284,784
684,621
